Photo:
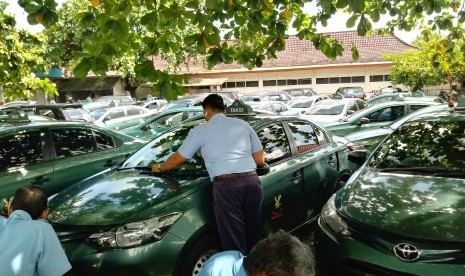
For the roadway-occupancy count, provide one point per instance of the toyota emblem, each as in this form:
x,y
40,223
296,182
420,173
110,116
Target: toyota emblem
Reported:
x,y
406,252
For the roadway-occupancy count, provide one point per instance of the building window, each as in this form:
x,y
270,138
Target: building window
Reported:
x,y
240,84
291,82
304,81
223,85
231,84
251,83
281,82
376,78
322,81
269,83
358,79
346,79
387,77
333,80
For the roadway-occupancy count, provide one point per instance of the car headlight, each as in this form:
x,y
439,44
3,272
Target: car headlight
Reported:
x,y
134,233
331,219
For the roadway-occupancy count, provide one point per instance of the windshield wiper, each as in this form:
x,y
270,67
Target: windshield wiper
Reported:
x,y
140,168
178,173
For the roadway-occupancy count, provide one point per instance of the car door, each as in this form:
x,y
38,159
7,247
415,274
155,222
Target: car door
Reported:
x,y
24,160
383,116
317,162
82,152
283,184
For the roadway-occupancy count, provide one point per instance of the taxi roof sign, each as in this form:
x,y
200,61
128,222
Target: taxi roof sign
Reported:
x,y
239,108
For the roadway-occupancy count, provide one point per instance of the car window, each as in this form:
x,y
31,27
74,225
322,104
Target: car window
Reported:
x,y
304,136
387,114
97,113
103,141
163,120
159,149
135,111
362,104
322,139
275,143
423,144
20,149
115,114
352,107
73,141
126,100
415,107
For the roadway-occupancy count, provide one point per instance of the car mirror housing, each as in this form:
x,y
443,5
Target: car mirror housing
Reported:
x,y
350,112
363,121
357,156
263,169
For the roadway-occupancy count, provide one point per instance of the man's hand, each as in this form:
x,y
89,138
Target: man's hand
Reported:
x,y
157,168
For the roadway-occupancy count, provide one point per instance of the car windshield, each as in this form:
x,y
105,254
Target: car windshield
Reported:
x,y
76,114
159,149
435,145
97,113
326,108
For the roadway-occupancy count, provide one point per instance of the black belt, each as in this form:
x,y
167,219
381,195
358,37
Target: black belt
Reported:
x,y
234,175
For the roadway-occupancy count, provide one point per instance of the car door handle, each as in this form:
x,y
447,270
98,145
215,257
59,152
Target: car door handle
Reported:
x,y
41,180
296,177
332,160
110,163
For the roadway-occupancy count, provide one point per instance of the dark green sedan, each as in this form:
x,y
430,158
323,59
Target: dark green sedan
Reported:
x,y
55,155
403,212
129,221
375,116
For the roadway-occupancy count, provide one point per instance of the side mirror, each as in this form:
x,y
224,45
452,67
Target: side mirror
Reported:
x,y
350,112
357,156
363,121
263,169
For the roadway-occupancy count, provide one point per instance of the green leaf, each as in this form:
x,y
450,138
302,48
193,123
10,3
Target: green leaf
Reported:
x,y
355,53
82,68
357,5
342,4
351,21
211,4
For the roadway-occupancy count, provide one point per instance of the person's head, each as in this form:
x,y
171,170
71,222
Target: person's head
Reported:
x,y
280,254
212,105
32,200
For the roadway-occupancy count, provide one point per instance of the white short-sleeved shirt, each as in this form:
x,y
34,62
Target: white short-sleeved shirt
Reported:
x,y
226,145
30,247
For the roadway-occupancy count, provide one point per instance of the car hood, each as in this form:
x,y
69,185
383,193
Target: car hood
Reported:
x,y
423,207
115,197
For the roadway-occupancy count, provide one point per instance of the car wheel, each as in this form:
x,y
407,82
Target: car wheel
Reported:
x,y
198,255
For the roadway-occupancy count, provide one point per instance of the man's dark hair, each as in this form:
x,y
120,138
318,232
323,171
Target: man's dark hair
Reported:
x,y
213,101
281,254
31,199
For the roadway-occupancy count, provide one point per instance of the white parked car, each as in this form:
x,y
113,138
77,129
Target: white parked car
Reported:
x,y
275,107
155,104
105,115
333,110
303,103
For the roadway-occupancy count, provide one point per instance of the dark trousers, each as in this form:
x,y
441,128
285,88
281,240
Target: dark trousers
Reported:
x,y
238,207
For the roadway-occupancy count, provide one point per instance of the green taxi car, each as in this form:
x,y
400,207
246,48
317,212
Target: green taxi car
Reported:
x,y
56,154
370,138
403,212
129,221
375,116
160,122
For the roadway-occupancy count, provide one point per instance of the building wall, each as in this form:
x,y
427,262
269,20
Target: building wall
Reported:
x,y
324,80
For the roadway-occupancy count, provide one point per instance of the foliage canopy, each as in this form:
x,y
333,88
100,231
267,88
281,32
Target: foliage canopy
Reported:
x,y
20,52
206,27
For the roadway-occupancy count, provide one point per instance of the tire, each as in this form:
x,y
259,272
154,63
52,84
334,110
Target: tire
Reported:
x,y
198,254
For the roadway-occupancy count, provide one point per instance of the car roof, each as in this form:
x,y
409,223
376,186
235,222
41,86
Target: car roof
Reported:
x,y
7,127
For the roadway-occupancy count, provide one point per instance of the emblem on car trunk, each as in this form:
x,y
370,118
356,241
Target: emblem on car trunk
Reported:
x,y
406,252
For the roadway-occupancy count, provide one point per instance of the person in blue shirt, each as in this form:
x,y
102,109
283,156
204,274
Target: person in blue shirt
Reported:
x,y
231,151
29,245
280,254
